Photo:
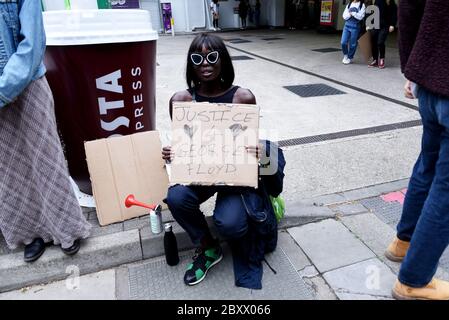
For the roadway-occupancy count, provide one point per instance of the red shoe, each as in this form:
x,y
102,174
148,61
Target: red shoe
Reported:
x,y
373,64
382,64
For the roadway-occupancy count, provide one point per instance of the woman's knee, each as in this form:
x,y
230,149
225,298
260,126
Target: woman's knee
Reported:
x,y
231,229
180,197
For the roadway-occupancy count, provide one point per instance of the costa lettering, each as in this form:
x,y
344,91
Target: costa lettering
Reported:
x,y
111,83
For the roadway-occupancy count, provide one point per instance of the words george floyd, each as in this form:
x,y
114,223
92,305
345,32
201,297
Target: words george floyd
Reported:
x,y
209,144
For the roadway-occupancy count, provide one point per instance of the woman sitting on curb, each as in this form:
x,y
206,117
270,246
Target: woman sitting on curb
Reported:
x,y
244,216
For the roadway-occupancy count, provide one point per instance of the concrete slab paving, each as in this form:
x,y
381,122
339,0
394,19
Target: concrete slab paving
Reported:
x,y
371,231
390,213
329,245
349,209
302,212
370,278
321,288
375,190
377,235
95,286
294,253
122,283
97,253
325,200
102,231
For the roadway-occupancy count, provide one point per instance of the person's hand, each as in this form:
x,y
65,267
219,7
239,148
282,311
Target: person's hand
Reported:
x,y
256,151
391,29
408,90
167,154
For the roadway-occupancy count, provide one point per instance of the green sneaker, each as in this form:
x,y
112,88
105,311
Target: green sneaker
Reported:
x,y
203,260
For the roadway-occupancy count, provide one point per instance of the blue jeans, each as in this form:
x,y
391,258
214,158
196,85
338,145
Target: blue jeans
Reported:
x,y
349,39
425,216
230,216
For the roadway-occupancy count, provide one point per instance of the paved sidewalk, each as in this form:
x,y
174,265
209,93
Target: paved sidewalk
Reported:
x,y
336,252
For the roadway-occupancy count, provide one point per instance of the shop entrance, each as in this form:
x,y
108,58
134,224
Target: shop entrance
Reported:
x,y
302,14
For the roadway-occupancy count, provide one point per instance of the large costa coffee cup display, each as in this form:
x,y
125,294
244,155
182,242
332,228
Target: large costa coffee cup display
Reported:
x,y
101,68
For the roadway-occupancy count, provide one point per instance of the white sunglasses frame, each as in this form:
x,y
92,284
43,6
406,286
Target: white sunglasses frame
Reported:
x,y
205,58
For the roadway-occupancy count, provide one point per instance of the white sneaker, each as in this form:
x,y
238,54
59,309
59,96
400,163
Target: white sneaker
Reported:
x,y
218,29
346,60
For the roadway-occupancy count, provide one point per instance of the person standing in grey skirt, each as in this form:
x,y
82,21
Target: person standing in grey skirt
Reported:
x,y
37,203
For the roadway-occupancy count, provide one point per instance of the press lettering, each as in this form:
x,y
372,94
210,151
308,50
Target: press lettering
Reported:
x,y
136,72
138,112
137,85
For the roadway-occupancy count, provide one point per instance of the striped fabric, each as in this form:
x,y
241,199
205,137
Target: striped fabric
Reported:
x,y
36,197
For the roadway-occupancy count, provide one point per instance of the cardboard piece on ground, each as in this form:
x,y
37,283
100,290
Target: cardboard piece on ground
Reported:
x,y
365,47
208,141
126,165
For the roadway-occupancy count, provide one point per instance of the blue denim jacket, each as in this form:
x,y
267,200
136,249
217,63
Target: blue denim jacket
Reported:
x,y
22,46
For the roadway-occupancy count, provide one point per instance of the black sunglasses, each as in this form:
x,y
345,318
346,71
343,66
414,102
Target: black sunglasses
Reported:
x,y
211,57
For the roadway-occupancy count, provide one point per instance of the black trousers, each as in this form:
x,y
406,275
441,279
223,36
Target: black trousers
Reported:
x,y
378,39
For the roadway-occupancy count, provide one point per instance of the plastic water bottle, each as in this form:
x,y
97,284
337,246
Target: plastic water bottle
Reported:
x,y
156,220
170,246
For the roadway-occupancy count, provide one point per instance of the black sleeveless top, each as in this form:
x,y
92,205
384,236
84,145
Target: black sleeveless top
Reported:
x,y
227,97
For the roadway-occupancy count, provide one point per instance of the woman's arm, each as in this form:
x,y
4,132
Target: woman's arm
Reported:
x,y
346,13
361,14
25,62
181,96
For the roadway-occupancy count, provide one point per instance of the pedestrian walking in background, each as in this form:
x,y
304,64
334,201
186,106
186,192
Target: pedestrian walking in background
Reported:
x,y
387,24
243,12
210,77
292,9
304,14
257,13
37,202
423,231
214,8
353,15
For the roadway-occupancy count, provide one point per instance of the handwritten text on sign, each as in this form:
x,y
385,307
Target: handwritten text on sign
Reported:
x,y
209,140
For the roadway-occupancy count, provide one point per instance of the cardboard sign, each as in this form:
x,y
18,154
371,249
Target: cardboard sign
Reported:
x,y
126,165
208,142
365,47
